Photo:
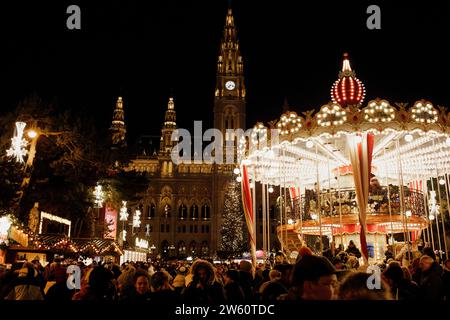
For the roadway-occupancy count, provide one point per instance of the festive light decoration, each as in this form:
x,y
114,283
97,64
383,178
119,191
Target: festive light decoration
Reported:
x,y
137,219
259,136
51,217
232,230
434,207
408,213
290,221
441,181
289,122
236,171
141,243
124,235
238,178
409,137
309,144
270,189
424,112
99,196
5,224
379,111
123,212
347,90
331,114
18,144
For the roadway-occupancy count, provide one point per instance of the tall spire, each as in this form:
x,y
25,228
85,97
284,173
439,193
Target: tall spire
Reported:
x,y
170,124
230,66
118,129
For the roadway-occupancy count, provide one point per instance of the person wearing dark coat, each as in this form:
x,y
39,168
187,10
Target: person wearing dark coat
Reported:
x,y
204,287
446,279
233,290
352,249
401,288
246,281
430,283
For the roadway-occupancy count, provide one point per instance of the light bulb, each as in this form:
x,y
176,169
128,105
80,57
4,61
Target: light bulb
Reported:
x,y
314,216
408,213
32,134
431,217
270,189
236,171
290,221
309,144
441,181
409,137
239,179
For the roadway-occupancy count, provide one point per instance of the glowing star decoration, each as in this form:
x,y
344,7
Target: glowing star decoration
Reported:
x,y
331,114
379,111
347,90
424,112
123,212
289,122
99,196
137,219
18,144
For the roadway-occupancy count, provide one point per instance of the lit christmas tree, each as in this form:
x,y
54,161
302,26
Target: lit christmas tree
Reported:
x,y
233,220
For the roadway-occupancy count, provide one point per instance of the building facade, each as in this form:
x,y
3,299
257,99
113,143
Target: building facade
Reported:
x,y
182,208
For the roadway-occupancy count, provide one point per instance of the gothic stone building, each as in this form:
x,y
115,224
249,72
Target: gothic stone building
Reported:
x,y
183,205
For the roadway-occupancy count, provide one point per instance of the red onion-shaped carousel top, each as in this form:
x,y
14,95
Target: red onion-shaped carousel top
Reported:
x,y
347,90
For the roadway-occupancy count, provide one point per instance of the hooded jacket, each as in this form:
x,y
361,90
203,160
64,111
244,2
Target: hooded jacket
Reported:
x,y
209,292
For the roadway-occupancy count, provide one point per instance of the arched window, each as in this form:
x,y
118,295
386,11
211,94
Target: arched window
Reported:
x,y
151,211
167,210
194,212
181,248
165,248
205,248
193,248
182,212
206,212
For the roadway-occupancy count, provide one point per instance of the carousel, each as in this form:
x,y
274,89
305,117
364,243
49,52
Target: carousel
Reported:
x,y
375,173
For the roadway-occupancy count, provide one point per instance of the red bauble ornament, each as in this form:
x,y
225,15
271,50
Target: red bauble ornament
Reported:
x,y
347,90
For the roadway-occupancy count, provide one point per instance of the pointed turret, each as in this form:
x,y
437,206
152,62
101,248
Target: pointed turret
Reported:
x,y
170,124
118,128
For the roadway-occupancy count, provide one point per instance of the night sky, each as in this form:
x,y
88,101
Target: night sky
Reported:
x,y
293,49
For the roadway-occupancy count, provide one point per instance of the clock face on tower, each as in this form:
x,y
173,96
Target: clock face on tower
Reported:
x,y
230,85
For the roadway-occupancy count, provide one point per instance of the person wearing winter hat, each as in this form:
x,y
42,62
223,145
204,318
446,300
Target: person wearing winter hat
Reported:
x,y
313,278
125,282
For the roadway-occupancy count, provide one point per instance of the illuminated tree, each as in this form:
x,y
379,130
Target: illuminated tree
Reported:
x,y
232,231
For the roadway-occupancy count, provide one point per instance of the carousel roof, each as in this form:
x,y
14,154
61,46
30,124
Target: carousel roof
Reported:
x,y
413,140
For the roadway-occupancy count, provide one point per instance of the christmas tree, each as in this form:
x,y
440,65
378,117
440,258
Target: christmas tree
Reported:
x,y
232,231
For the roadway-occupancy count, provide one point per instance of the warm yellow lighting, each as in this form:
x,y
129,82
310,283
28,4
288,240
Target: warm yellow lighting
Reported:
x,y
32,134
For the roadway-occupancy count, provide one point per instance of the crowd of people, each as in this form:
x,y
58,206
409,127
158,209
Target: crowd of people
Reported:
x,y
312,277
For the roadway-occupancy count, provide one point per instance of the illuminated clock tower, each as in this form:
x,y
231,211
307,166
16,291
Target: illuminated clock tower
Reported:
x,y
229,103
